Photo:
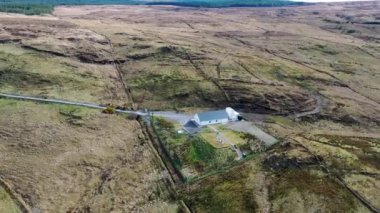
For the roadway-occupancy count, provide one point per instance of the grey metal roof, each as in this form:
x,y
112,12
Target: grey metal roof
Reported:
x,y
213,115
191,127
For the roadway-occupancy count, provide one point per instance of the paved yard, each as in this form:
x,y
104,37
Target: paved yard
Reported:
x,y
248,127
173,116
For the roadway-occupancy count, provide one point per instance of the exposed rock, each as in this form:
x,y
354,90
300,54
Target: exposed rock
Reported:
x,y
289,155
282,161
265,99
8,39
167,49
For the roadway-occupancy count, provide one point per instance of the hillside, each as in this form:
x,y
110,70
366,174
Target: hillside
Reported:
x,y
308,75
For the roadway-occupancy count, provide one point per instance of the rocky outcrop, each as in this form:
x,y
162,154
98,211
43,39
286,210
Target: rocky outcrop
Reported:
x,y
270,99
282,161
290,156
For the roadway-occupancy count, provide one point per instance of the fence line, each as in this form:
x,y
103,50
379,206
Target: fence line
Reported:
x,y
166,152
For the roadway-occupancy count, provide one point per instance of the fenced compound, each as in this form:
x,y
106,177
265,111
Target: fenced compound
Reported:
x,y
192,157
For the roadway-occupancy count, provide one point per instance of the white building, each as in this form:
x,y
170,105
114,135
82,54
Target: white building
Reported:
x,y
216,117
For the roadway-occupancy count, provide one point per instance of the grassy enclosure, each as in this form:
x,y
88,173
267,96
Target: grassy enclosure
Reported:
x,y
192,155
231,137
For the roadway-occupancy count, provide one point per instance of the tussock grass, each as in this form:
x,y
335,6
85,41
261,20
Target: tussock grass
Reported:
x,y
28,72
288,186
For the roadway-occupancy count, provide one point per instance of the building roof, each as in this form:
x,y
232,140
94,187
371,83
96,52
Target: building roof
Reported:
x,y
191,127
213,115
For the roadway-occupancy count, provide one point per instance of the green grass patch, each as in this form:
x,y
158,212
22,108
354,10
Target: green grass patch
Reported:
x,y
285,121
321,48
6,203
192,151
223,193
200,151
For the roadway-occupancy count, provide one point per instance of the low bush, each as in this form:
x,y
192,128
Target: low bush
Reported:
x,y
109,110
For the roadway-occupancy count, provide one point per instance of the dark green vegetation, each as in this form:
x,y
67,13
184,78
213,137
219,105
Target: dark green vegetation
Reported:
x,y
192,155
224,193
228,3
26,7
306,182
36,7
322,48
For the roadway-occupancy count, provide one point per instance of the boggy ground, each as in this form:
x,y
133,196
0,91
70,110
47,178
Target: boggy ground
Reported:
x,y
281,61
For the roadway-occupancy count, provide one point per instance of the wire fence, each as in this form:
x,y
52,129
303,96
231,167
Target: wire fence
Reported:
x,y
193,179
166,152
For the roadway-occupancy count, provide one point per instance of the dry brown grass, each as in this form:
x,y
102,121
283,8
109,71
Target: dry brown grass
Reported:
x,y
260,59
64,158
236,48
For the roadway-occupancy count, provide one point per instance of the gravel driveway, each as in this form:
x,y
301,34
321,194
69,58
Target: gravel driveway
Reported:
x,y
248,127
177,117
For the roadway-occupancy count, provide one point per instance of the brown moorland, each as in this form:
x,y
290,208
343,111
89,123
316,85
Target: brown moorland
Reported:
x,y
312,71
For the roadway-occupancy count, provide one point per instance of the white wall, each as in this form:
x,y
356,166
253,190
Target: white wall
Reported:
x,y
232,114
214,122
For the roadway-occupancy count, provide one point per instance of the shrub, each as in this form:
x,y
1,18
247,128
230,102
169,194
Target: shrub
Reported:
x,y
164,124
109,110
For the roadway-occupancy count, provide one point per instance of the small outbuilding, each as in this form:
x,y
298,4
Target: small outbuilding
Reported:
x,y
216,117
